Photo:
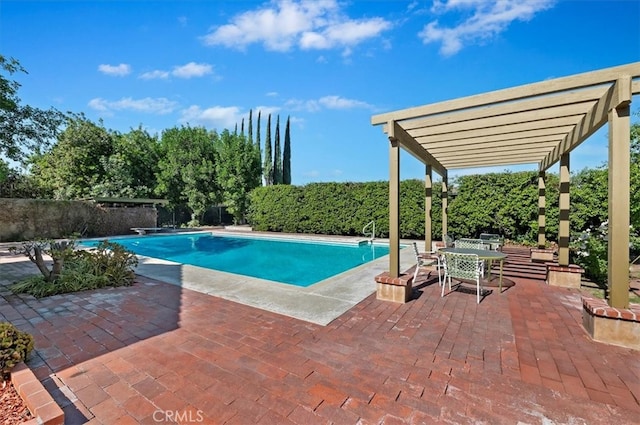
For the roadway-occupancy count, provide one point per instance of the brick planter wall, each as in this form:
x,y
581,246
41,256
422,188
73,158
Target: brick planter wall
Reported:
x,y
611,325
39,402
396,289
564,276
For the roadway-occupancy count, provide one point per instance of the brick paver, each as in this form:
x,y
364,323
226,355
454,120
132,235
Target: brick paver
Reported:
x,y
157,353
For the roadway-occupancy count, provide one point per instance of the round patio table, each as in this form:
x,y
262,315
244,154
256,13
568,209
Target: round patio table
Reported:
x,y
483,254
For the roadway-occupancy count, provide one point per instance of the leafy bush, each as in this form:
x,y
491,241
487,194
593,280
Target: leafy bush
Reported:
x,y
340,208
109,264
15,346
589,251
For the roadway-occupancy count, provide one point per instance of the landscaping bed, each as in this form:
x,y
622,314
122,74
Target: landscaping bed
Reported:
x,y
13,410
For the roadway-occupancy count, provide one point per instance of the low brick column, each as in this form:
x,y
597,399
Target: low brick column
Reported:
x,y
564,276
43,408
396,289
541,255
617,326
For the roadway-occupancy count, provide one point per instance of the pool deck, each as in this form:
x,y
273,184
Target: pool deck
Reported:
x,y
319,303
155,350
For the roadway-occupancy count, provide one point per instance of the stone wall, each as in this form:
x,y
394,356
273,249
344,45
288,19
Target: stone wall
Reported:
x,y
24,219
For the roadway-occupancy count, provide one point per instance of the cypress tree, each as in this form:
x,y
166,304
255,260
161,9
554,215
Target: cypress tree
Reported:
x,y
258,143
242,128
286,156
277,156
267,167
250,130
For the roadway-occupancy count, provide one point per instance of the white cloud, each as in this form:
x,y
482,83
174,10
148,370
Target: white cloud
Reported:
x,y
155,75
265,111
149,105
219,117
192,69
487,19
115,70
327,102
306,24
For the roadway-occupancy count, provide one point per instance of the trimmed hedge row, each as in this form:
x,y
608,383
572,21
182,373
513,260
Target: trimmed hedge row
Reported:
x,y
341,208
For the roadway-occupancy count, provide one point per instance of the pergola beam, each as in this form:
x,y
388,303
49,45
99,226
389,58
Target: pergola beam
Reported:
x,y
510,139
414,148
592,121
576,111
496,133
498,162
530,90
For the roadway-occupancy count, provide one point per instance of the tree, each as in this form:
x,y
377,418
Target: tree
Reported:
x,y
258,142
250,129
277,156
23,127
187,169
130,171
238,172
267,164
75,164
286,156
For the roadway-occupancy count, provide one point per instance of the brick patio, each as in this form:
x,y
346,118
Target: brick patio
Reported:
x,y
141,354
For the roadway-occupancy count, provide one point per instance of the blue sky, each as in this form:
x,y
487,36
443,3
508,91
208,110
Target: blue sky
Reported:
x,y
327,64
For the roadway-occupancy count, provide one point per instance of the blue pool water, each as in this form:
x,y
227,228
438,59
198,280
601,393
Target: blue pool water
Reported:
x,y
297,263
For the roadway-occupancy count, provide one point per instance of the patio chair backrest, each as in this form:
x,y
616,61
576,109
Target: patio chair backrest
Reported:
x,y
463,266
448,241
470,243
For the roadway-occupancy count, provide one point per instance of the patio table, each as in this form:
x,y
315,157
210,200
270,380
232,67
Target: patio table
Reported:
x,y
483,254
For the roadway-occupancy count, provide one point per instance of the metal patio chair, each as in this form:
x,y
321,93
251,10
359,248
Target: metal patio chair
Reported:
x,y
470,243
463,267
427,259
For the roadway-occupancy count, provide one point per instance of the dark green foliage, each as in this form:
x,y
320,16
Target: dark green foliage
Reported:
x,y
109,264
589,251
23,128
286,156
258,143
75,164
267,164
238,172
589,199
187,169
277,156
504,203
15,346
338,208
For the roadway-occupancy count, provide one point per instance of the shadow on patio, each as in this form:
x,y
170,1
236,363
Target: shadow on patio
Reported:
x,y
521,356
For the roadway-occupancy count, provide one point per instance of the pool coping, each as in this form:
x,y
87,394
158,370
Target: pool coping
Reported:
x,y
319,303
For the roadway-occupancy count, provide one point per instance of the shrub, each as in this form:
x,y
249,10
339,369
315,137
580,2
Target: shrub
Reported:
x,y
109,264
15,346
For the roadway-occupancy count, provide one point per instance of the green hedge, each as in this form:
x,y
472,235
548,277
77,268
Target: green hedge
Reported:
x,y
505,203
341,208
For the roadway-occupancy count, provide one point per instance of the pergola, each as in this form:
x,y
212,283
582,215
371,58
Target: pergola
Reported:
x,y
537,123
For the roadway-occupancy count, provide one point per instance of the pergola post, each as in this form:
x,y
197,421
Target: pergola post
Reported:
x,y
541,210
428,202
394,208
445,197
563,227
619,216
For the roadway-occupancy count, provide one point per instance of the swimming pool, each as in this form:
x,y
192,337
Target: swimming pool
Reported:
x,y
299,263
